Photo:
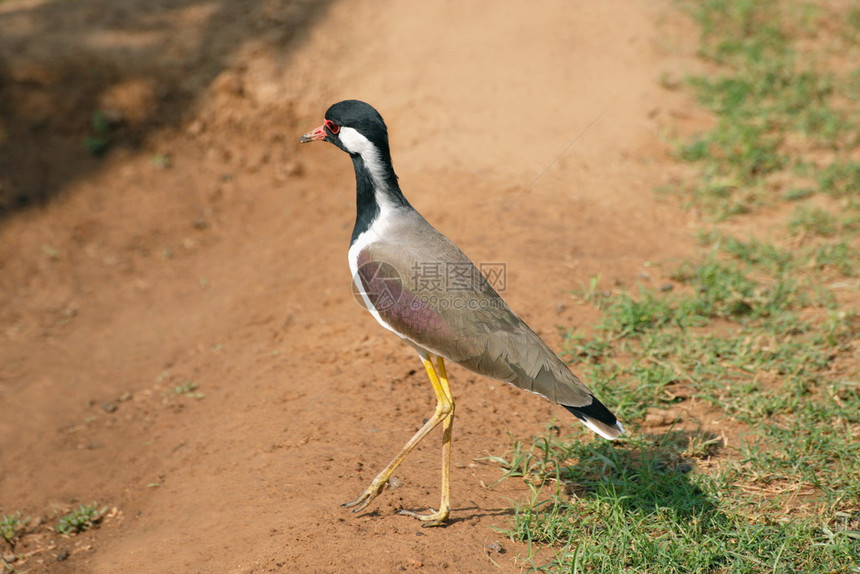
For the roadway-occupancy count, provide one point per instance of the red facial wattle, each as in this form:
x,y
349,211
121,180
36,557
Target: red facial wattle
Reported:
x,y
320,133
332,127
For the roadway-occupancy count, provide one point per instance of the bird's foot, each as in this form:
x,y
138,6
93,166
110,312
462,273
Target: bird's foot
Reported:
x,y
366,497
432,518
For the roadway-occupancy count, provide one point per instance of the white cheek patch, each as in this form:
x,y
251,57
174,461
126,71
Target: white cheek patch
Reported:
x,y
356,143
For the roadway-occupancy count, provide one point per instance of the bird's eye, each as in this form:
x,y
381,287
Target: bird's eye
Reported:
x,y
332,127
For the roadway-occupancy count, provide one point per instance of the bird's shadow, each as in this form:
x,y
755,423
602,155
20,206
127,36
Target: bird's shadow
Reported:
x,y
645,475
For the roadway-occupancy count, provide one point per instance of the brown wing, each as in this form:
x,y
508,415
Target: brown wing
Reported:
x,y
462,319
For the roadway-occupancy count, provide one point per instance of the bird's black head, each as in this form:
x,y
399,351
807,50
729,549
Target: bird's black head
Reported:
x,y
353,126
358,129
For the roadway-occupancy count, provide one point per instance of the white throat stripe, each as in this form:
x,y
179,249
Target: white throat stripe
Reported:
x,y
356,143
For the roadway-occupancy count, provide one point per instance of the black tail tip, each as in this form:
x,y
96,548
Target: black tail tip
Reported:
x,y
598,418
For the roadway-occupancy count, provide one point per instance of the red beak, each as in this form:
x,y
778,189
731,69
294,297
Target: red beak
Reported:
x,y
317,134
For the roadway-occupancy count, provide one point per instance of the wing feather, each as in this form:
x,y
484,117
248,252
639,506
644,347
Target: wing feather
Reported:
x,y
470,325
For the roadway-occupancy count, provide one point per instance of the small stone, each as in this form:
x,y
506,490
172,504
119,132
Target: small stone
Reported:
x,y
195,128
496,547
215,193
655,419
213,155
666,287
228,82
109,407
294,168
658,417
112,116
63,556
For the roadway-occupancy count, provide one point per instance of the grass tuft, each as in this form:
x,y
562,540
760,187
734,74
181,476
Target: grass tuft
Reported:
x,y
759,341
773,102
81,519
813,221
11,528
635,506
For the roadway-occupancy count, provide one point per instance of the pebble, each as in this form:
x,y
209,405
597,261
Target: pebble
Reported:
x,y
662,418
294,168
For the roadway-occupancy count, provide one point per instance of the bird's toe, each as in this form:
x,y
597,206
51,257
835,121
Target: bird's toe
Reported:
x,y
431,518
366,497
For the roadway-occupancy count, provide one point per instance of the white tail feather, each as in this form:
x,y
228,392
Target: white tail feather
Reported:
x,y
604,430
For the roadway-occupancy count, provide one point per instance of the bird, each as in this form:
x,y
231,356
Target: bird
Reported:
x,y
464,321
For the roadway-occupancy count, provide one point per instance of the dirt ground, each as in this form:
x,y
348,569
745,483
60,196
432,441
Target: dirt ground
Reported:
x,y
160,226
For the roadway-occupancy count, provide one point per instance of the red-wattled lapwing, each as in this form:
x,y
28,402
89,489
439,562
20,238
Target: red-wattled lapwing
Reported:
x,y
464,321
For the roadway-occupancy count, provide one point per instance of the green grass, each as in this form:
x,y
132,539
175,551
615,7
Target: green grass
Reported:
x,y
81,519
839,256
734,342
99,142
11,527
813,221
186,389
785,498
637,507
774,99
760,336
840,179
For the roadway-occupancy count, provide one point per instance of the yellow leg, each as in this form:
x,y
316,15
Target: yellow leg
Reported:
x,y
437,518
444,413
